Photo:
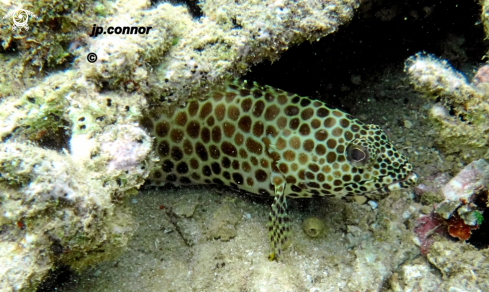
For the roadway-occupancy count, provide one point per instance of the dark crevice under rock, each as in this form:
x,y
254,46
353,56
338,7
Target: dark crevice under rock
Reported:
x,y
382,34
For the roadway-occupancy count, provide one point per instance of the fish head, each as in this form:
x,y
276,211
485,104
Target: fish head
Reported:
x,y
376,165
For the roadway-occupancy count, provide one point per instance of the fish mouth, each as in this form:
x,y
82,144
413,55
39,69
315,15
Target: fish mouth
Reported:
x,y
409,181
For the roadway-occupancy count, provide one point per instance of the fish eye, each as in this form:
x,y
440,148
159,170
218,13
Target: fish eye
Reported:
x,y
357,155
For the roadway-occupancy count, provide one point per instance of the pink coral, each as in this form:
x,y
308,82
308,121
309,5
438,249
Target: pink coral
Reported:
x,y
482,75
427,225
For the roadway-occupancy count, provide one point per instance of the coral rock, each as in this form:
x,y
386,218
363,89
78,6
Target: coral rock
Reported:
x,y
460,113
460,190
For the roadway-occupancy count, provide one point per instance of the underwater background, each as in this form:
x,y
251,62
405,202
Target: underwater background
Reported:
x,y
77,211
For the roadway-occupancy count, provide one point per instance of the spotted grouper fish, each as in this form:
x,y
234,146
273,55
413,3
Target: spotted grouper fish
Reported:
x,y
274,143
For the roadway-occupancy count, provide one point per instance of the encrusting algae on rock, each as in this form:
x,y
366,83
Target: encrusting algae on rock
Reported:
x,y
273,143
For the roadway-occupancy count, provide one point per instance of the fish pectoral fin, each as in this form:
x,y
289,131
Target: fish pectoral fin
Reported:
x,y
278,224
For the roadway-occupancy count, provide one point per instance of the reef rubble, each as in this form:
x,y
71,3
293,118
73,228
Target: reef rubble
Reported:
x,y
458,112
